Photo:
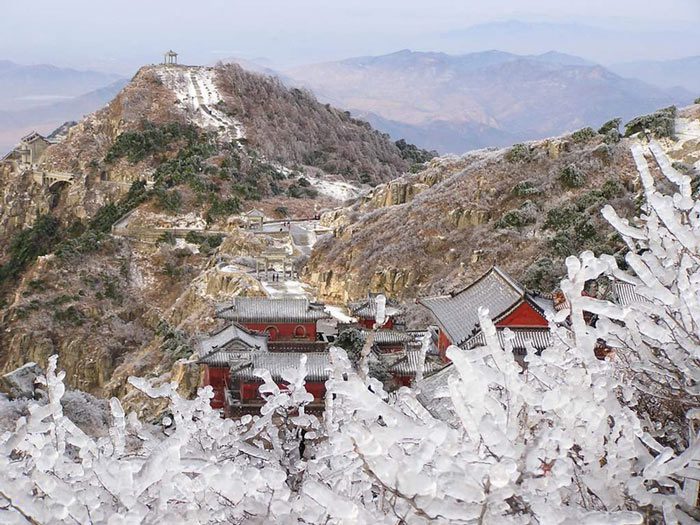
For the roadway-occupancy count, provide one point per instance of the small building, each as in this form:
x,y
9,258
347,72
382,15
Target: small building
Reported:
x,y
284,319
508,303
366,312
253,219
29,150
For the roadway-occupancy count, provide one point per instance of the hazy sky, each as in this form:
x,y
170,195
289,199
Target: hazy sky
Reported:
x,y
119,35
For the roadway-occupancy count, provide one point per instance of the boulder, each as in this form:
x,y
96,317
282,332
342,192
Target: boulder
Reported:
x,y
20,382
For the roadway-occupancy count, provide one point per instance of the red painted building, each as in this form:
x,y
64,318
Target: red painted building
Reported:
x,y
281,319
509,306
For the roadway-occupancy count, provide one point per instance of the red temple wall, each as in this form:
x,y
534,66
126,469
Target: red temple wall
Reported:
x,y
286,331
523,316
249,391
369,323
218,379
443,343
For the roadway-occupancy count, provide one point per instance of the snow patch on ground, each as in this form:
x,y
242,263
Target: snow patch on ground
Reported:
x,y
286,289
341,191
338,312
196,91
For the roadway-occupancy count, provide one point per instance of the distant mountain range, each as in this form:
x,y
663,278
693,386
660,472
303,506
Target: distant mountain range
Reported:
x,y
454,103
451,103
24,86
45,118
682,72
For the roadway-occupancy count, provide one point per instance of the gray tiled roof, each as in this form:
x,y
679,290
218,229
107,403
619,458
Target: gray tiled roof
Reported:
x,y
368,309
407,364
317,365
433,394
626,295
263,309
389,337
540,338
458,315
226,344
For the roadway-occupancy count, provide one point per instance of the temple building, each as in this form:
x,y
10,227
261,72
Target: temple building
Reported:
x,y
509,306
29,150
273,334
281,319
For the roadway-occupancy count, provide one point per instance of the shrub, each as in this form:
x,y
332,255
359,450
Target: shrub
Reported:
x,y
660,124
583,135
696,101
572,177
520,153
168,200
559,219
524,215
543,275
414,154
206,243
610,125
137,145
611,188
70,315
524,188
29,244
226,207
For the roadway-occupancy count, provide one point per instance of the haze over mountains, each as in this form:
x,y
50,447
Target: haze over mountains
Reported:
x,y
454,103
451,103
41,97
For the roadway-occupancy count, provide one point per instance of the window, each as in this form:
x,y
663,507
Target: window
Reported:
x,y
300,331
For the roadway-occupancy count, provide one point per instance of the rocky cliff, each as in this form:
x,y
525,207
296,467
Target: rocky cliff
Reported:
x,y
524,208
86,270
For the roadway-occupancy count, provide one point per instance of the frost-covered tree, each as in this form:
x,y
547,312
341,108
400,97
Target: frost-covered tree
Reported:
x,y
560,441
656,335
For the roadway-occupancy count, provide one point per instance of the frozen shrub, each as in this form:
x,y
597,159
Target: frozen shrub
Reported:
x,y
524,188
660,124
522,216
543,275
583,135
610,125
520,153
572,177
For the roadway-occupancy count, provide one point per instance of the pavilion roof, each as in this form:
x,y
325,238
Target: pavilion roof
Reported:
x,y
458,313
265,309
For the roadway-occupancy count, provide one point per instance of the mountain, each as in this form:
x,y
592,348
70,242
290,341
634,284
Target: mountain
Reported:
x,y
24,86
493,98
524,208
682,72
45,118
602,44
112,246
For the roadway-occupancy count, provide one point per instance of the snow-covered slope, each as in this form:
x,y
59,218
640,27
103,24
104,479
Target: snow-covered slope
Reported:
x,y
195,89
